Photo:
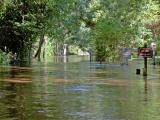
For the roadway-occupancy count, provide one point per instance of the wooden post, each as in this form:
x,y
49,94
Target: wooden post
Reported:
x,y
145,53
145,67
90,54
145,63
138,71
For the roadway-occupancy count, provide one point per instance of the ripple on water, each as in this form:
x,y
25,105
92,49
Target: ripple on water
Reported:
x,y
81,88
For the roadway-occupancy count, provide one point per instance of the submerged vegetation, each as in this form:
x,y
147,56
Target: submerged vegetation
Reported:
x,y
40,28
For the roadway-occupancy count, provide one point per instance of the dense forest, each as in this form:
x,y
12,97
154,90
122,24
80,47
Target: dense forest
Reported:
x,y
39,28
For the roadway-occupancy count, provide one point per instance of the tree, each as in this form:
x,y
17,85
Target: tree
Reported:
x,y
109,35
20,23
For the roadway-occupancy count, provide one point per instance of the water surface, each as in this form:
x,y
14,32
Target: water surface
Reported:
x,y
75,89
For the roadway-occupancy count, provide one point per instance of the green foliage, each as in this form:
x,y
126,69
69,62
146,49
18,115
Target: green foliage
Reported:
x,y
4,59
73,49
108,35
105,26
124,26
20,22
49,49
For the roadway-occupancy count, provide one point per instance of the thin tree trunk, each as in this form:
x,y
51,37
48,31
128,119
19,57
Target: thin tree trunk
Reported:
x,y
44,53
44,48
29,53
65,45
56,49
38,53
65,52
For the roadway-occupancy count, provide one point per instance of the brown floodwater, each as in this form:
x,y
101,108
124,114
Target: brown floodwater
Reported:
x,y
75,89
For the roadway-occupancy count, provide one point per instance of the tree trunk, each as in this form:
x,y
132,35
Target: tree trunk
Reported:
x,y
38,53
44,48
65,45
56,49
29,54
65,51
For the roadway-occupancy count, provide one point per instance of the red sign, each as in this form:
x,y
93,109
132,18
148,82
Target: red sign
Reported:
x,y
145,52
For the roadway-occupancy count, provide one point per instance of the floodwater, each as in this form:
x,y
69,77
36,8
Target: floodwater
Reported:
x,y
75,89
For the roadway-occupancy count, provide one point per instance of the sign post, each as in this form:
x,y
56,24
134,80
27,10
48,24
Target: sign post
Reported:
x,y
145,67
145,53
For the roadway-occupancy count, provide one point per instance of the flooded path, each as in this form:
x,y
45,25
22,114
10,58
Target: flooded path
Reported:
x,y
79,90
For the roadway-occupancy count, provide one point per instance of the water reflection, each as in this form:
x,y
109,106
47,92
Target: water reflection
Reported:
x,y
14,71
13,102
78,90
14,105
145,85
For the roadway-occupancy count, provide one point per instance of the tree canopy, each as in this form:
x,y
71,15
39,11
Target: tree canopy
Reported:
x,y
106,26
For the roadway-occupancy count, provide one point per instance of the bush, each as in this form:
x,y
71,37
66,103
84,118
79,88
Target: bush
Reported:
x,y
4,58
